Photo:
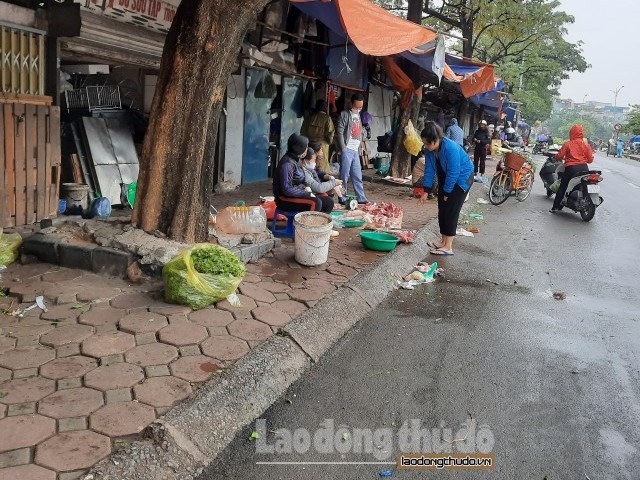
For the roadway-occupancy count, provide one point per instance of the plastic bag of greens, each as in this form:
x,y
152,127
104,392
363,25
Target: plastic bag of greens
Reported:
x,y
202,275
9,244
555,186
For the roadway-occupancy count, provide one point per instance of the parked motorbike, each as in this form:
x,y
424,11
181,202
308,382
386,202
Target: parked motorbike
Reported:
x,y
583,191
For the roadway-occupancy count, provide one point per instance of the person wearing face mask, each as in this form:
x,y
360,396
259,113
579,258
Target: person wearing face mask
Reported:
x,y
349,135
449,163
289,188
481,139
319,182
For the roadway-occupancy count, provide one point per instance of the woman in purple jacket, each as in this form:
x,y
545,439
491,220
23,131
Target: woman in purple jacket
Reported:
x,y
289,188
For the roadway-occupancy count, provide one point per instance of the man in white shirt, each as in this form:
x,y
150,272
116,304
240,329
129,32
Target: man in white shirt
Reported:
x,y
349,134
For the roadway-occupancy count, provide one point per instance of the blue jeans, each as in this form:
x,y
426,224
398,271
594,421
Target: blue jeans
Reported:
x,y
350,168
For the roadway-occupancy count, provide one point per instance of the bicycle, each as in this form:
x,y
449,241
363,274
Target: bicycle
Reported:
x,y
517,175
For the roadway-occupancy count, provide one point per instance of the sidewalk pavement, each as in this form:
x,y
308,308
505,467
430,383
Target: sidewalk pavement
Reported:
x,y
85,378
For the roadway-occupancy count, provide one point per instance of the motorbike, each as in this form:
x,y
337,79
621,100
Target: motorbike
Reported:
x,y
583,191
540,148
548,173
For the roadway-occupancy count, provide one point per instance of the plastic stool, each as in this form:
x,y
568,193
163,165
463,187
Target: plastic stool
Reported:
x,y
289,229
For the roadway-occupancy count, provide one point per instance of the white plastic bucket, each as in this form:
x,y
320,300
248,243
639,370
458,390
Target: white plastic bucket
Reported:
x,y
76,194
313,232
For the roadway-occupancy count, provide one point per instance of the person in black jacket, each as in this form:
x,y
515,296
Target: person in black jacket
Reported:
x,y
481,139
291,192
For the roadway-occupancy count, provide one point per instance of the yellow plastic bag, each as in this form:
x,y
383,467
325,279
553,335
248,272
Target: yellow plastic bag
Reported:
x,y
202,275
412,141
9,244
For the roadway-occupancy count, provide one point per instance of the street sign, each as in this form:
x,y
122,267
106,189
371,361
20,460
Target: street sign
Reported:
x,y
617,127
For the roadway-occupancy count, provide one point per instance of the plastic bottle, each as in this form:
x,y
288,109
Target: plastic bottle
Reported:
x,y
239,220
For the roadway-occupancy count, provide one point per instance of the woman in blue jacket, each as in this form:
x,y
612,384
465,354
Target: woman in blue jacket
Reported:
x,y
454,169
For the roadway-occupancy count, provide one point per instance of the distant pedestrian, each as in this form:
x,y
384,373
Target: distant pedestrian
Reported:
x,y
349,134
454,132
318,127
481,139
449,163
619,148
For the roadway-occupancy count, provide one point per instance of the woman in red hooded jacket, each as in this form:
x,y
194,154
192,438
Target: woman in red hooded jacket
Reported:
x,y
576,154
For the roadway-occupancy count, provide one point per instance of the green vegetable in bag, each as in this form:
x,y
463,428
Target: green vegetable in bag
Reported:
x,y
9,244
202,275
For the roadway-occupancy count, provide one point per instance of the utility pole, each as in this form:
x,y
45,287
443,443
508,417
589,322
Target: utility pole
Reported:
x,y
615,95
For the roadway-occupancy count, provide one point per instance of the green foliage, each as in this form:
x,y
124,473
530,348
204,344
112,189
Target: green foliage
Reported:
x,y
633,121
560,123
524,39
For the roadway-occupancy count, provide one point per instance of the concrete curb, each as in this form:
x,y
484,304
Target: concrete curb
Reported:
x,y
195,432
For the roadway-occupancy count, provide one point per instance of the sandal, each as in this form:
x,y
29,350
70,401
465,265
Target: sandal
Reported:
x,y
440,251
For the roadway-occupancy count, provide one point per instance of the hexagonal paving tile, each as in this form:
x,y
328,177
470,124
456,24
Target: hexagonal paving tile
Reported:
x,y
66,334
275,287
162,391
194,368
224,347
29,331
211,317
111,377
27,292
109,343
20,358
306,294
68,367
62,276
249,329
5,374
73,450
67,312
6,344
246,304
142,322
72,402
102,316
135,300
257,293
120,419
28,472
291,307
151,354
24,390
25,431
271,316
183,333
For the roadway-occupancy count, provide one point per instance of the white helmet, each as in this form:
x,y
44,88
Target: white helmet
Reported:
x,y
511,130
483,122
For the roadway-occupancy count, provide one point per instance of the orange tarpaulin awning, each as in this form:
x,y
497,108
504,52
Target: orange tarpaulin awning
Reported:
x,y
374,30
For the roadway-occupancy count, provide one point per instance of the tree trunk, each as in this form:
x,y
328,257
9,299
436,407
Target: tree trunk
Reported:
x,y
176,176
401,159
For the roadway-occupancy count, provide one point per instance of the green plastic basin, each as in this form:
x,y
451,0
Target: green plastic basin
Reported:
x,y
379,241
351,223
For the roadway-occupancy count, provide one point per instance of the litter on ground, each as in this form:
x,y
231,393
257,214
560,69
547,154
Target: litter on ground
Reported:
x,y
464,233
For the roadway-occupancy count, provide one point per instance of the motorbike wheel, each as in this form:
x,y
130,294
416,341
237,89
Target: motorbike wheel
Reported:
x,y
588,212
500,188
549,193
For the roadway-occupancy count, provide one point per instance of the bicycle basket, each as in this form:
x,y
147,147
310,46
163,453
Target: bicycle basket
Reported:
x,y
514,161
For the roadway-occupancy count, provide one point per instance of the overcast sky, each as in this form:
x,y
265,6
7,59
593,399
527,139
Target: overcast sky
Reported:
x,y
610,31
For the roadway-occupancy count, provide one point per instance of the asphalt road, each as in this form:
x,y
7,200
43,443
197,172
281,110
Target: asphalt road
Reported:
x,y
553,385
